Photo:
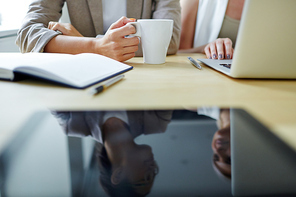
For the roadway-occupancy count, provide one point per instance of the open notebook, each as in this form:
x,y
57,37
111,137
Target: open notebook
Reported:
x,y
266,42
78,71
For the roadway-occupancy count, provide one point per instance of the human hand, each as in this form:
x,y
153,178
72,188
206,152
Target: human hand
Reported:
x,y
115,44
66,28
221,48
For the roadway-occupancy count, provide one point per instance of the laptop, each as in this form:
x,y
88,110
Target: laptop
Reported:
x,y
266,42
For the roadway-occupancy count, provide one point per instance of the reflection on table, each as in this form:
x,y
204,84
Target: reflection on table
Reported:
x,y
126,168
209,151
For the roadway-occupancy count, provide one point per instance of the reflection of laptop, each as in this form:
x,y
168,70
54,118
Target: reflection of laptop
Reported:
x,y
261,164
266,42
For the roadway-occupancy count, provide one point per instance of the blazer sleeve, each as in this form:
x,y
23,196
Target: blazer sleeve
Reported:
x,y
156,121
33,34
148,121
170,9
80,124
72,123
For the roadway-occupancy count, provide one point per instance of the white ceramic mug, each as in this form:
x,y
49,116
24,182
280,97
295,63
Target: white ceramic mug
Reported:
x,y
155,38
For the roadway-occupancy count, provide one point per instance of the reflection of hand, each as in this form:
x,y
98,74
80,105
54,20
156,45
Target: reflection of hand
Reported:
x,y
66,28
221,48
115,44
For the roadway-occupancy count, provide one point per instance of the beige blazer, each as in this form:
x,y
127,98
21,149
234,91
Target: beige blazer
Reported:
x,y
89,123
87,17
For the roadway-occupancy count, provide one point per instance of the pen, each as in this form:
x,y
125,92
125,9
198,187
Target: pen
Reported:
x,y
106,84
194,63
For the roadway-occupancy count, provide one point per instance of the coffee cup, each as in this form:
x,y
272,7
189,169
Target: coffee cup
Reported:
x,y
155,37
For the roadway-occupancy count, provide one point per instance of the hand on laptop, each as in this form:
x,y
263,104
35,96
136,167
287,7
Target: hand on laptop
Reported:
x,y
221,48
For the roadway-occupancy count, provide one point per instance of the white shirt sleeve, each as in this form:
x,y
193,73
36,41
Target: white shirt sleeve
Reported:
x,y
212,112
122,115
209,20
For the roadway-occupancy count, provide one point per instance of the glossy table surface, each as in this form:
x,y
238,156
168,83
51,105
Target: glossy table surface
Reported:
x,y
175,84
211,152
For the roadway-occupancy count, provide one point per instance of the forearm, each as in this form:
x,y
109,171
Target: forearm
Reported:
x,y
70,44
113,45
33,34
33,38
199,49
73,123
188,18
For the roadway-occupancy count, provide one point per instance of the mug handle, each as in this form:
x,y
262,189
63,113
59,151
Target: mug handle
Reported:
x,y
138,29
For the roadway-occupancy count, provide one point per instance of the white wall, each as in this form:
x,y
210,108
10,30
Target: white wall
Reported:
x,y
7,38
41,167
7,44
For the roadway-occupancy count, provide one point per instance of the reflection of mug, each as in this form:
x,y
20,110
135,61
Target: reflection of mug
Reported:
x,y
155,38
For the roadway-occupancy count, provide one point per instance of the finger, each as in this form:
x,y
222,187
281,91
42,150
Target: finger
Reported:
x,y
59,27
51,24
132,41
220,48
208,52
127,56
130,49
55,27
121,22
121,32
213,50
128,29
228,48
132,19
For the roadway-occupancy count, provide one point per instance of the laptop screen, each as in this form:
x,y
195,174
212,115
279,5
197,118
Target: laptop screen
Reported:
x,y
198,152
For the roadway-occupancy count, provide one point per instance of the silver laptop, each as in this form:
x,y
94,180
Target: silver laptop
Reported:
x,y
266,42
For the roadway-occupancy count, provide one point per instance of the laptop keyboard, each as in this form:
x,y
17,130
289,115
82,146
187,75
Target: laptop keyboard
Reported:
x,y
226,65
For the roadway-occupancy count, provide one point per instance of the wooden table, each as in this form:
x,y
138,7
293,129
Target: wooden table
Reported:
x,y
173,85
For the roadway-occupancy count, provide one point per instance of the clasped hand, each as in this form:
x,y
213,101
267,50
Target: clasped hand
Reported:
x,y
113,44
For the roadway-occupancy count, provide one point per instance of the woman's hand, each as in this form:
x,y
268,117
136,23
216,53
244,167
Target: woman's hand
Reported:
x,y
115,44
221,48
66,28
